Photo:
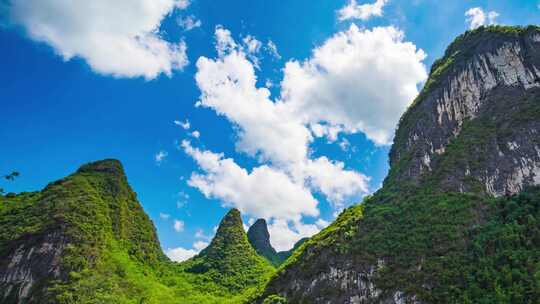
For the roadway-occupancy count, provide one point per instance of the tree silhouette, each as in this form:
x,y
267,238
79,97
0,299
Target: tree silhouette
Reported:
x,y
10,177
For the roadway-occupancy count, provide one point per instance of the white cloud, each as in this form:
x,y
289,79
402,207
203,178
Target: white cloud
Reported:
x,y
119,38
359,80
224,40
188,22
199,234
476,17
252,44
344,144
332,179
361,11
200,245
252,47
196,134
178,226
264,192
356,81
160,156
180,254
164,216
322,223
184,124
228,85
283,234
272,48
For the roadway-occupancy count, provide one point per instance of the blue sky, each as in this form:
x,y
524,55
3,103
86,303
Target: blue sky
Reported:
x,y
77,85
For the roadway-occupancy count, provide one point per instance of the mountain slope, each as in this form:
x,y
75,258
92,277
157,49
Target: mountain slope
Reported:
x,y
86,239
259,238
436,232
230,260
53,236
474,125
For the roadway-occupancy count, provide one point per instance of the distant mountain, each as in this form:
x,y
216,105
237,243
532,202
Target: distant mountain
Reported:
x,y
458,217
259,238
230,260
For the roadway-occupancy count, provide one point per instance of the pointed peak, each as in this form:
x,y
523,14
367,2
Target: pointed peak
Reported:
x,y
233,218
259,229
233,213
103,166
230,259
259,238
230,232
260,222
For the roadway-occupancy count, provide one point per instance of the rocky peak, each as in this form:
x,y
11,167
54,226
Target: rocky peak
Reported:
x,y
483,87
112,166
259,238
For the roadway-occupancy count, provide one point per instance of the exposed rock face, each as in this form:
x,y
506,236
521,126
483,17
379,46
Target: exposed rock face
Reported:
x,y
31,263
474,128
486,75
71,218
259,238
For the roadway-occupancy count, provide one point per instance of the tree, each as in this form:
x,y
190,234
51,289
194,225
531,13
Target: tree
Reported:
x,y
10,177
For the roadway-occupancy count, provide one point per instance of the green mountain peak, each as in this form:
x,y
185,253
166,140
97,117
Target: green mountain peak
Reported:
x,y
230,259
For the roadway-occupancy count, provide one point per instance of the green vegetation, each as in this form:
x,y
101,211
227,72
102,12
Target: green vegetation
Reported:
x,y
441,247
230,260
114,256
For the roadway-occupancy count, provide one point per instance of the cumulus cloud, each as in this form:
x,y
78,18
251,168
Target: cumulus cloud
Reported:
x,y
160,157
356,81
264,192
184,124
180,254
164,216
178,225
188,22
228,85
200,245
284,234
332,179
252,44
272,48
119,38
353,10
477,17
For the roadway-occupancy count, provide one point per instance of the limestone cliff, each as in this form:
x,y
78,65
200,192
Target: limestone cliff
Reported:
x,y
436,232
475,126
50,235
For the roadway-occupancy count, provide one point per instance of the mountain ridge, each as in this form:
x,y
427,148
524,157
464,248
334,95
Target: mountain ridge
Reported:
x,y
456,220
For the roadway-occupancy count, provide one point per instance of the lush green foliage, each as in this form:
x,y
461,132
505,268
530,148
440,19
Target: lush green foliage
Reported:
x,y
230,260
114,256
441,247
